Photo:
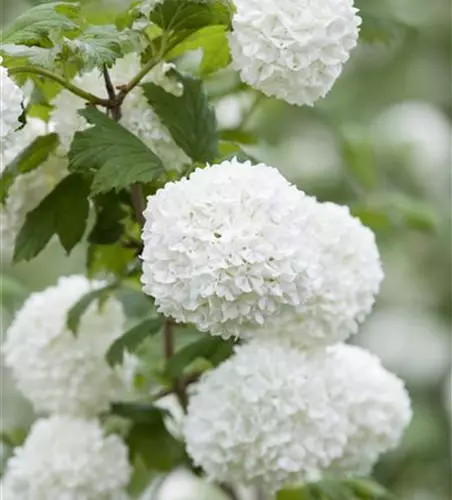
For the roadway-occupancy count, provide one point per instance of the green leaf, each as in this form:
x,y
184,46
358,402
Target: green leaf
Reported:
x,y
360,161
35,26
149,439
78,310
110,214
106,259
214,349
132,339
213,41
117,158
14,437
45,57
238,135
367,489
63,212
376,219
189,117
96,46
29,159
178,15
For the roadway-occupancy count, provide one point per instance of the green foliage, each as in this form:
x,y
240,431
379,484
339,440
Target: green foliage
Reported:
x,y
132,339
149,438
213,41
63,212
76,312
179,15
115,156
111,210
105,259
331,489
29,159
213,349
37,25
189,117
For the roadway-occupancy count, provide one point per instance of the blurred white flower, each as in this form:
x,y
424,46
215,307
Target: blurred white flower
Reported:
x,y
350,278
65,458
58,371
423,132
231,109
137,114
413,343
375,402
29,189
293,50
265,417
228,249
11,97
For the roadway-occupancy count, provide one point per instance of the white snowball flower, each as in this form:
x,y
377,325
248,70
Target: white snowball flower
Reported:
x,y
29,189
137,114
293,49
265,417
376,403
414,343
350,279
66,458
227,248
11,97
57,371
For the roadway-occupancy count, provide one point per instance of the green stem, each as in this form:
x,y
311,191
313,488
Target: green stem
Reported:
x,y
87,96
139,76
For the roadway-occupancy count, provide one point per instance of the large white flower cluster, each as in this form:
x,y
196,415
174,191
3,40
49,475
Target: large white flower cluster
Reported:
x,y
265,417
58,371
238,251
228,249
293,49
136,113
66,458
277,416
29,189
11,97
376,403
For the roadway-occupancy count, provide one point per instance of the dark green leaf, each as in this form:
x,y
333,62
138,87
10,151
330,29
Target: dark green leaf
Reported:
x,y
213,41
115,156
132,339
14,437
63,212
178,15
76,312
214,349
149,439
36,24
189,118
110,215
237,135
29,159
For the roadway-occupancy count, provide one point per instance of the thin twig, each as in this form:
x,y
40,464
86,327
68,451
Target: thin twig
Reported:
x,y
115,110
185,382
87,96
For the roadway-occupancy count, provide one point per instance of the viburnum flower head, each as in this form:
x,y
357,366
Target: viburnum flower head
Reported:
x,y
136,113
65,458
293,49
264,417
29,189
351,275
376,403
58,371
11,97
227,250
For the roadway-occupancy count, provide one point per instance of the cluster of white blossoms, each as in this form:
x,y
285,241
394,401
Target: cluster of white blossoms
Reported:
x,y
293,49
277,416
66,455
136,113
11,97
238,251
67,458
28,189
60,372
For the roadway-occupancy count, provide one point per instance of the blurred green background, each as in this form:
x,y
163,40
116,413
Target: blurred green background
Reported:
x,y
381,143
